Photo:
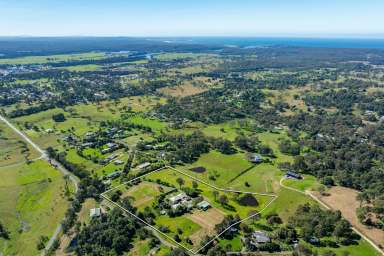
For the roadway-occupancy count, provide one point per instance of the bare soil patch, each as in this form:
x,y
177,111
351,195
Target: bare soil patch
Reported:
x,y
199,169
207,220
344,200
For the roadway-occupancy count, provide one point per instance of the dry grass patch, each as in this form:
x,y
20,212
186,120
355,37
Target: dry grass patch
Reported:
x,y
184,90
207,220
344,200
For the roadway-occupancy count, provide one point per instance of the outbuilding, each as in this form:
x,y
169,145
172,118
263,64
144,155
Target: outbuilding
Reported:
x,y
203,205
95,212
293,175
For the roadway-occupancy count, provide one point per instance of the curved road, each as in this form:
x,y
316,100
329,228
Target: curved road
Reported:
x,y
54,163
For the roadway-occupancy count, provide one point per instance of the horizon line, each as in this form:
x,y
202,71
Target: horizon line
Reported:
x,y
304,36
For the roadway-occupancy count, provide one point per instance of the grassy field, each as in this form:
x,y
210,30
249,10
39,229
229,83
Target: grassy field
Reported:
x,y
144,194
222,167
228,130
88,165
155,124
82,68
184,90
31,204
52,58
13,150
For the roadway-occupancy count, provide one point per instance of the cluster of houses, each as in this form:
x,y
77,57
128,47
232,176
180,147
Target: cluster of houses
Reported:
x,y
108,159
21,69
183,199
110,147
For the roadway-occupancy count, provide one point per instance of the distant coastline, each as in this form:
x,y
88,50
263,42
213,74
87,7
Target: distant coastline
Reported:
x,y
254,42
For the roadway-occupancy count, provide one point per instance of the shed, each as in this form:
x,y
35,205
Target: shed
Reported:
x,y
256,159
95,212
294,175
203,205
143,165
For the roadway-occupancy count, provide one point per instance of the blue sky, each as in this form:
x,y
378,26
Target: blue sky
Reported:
x,y
191,17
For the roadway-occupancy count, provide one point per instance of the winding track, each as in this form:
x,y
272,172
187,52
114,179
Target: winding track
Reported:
x,y
54,163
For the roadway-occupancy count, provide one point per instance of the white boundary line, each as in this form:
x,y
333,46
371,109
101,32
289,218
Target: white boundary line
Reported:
x,y
274,197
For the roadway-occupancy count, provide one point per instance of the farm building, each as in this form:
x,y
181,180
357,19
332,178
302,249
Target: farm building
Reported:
x,y
118,162
178,198
260,237
95,212
187,204
108,159
114,175
110,147
143,165
293,175
203,205
256,159
256,239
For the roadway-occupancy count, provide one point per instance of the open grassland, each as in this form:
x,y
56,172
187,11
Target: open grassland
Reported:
x,y
219,167
286,203
31,205
271,139
88,165
14,150
155,124
144,194
83,68
53,58
183,90
262,178
229,130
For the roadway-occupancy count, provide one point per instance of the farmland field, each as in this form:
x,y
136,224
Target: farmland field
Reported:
x,y
13,150
29,194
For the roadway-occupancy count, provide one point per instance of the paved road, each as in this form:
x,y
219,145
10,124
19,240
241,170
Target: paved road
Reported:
x,y
53,162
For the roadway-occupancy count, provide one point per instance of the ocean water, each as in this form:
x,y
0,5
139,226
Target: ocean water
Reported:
x,y
247,42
